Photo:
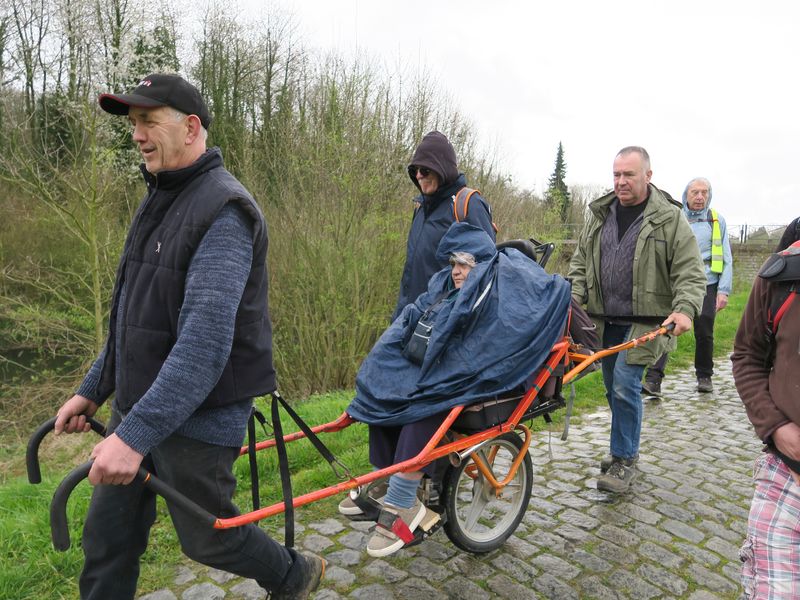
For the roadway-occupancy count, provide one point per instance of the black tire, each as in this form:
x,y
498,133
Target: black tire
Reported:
x,y
482,523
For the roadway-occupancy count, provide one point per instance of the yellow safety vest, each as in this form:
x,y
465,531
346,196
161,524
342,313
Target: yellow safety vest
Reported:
x,y
716,243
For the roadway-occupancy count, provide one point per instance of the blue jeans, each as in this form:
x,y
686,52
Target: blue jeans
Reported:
x,y
118,524
624,394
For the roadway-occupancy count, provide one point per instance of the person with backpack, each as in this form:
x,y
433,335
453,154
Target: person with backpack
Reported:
x,y
790,235
766,371
444,199
711,232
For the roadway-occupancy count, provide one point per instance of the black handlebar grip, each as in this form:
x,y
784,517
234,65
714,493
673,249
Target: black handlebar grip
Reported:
x,y
32,452
59,529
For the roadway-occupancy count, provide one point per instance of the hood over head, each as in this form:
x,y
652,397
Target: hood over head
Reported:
x,y
686,209
463,237
436,153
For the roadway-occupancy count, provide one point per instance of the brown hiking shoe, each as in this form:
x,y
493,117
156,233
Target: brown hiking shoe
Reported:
x,y
313,573
651,388
704,385
619,476
607,460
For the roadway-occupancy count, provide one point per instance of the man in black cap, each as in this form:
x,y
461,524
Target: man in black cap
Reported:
x,y
189,346
444,199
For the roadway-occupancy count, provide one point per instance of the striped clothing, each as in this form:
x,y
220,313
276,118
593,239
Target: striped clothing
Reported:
x,y
771,552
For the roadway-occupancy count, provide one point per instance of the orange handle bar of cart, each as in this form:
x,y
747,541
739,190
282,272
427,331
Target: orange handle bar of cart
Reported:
x,y
584,360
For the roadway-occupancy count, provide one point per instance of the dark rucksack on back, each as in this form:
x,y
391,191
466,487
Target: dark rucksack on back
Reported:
x,y
782,270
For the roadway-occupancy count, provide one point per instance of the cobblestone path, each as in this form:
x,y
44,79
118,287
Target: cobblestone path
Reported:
x,y
676,535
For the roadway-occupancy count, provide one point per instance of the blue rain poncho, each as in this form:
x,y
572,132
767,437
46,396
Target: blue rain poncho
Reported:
x,y
490,338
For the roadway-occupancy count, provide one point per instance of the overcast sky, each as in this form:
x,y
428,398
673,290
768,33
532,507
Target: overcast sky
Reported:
x,y
710,88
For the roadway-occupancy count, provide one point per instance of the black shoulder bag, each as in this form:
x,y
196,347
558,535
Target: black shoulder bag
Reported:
x,y
417,344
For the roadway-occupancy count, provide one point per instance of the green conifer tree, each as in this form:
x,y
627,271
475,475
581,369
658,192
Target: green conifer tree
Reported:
x,y
557,195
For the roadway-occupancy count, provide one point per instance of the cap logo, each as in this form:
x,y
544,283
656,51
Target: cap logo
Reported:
x,y
146,82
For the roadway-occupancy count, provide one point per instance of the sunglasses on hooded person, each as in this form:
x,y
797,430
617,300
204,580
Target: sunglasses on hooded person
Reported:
x,y
414,169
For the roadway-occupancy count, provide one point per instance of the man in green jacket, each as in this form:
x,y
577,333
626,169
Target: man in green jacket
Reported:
x,y
636,266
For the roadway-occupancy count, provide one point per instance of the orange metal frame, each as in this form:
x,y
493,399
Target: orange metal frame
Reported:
x,y
560,354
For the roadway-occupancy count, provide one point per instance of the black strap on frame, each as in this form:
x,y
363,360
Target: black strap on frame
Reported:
x,y
283,460
255,414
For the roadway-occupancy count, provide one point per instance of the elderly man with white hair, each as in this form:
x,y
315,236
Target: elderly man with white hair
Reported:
x,y
711,232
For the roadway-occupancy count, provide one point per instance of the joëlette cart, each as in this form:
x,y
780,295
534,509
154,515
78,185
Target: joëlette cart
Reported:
x,y
485,487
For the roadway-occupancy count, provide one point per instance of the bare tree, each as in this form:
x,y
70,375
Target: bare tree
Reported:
x,y
31,21
74,25
6,75
77,188
114,22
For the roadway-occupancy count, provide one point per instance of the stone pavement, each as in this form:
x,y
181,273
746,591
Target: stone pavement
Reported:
x,y
676,535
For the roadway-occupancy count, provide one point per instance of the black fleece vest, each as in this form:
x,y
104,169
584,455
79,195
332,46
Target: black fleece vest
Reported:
x,y
166,230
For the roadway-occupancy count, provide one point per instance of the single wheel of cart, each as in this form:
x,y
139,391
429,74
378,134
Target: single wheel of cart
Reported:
x,y
482,513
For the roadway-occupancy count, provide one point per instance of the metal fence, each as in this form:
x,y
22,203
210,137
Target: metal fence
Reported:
x,y
738,234
755,234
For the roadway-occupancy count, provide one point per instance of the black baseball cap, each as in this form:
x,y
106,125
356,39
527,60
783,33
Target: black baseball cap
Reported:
x,y
159,89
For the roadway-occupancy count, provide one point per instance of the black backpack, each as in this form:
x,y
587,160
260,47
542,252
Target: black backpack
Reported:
x,y
782,269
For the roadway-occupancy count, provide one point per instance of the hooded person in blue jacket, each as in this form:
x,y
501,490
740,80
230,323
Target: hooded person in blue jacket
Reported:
x,y
434,170
710,229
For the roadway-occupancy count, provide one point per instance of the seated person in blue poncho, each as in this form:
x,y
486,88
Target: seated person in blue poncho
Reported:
x,y
391,445
494,318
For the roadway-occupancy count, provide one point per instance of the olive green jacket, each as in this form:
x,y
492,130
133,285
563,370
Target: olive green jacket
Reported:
x,y
668,272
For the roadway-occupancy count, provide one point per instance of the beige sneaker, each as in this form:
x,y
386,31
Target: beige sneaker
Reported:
x,y
350,506
395,527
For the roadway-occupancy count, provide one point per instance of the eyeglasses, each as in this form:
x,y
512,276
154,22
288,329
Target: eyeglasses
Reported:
x,y
414,169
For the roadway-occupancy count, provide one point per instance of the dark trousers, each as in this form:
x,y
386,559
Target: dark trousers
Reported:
x,y
704,341
391,445
120,516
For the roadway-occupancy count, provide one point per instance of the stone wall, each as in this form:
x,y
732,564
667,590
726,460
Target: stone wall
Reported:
x,y
747,259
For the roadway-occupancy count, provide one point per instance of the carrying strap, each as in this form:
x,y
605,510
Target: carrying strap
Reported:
x,y
393,522
283,461
461,205
780,304
255,414
568,413
785,303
